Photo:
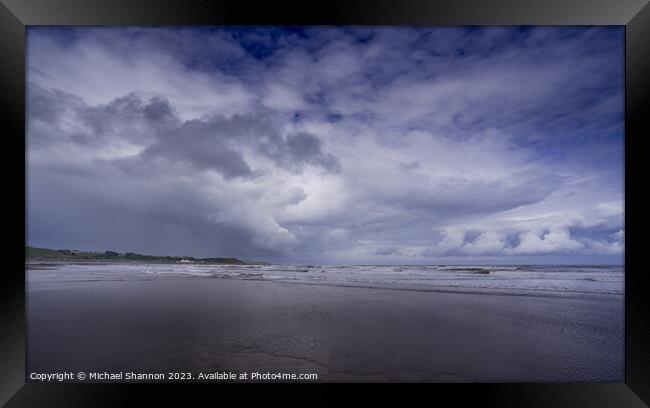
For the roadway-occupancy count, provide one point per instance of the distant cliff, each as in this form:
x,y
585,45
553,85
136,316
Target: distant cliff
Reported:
x,y
66,255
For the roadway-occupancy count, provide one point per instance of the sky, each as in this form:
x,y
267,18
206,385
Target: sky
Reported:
x,y
333,145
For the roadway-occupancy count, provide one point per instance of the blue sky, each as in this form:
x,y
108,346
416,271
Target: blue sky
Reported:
x,y
329,144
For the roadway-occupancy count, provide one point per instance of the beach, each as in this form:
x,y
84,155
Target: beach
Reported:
x,y
340,332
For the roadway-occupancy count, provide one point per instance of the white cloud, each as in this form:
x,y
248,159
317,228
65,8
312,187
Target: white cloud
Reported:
x,y
556,240
489,242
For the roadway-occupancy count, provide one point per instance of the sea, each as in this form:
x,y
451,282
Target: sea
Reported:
x,y
530,280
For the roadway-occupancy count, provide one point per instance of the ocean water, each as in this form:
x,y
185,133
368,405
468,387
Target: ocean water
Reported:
x,y
537,280
476,323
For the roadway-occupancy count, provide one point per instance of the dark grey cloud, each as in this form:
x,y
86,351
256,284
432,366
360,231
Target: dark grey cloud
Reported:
x,y
299,149
201,145
108,215
47,105
158,109
213,142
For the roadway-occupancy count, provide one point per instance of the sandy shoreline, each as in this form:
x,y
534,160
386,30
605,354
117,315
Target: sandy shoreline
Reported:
x,y
340,333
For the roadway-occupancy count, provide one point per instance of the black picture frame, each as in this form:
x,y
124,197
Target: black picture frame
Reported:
x,y
15,15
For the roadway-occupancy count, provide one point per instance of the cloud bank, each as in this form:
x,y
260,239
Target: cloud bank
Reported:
x,y
330,145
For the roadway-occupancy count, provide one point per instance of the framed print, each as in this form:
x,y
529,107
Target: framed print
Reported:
x,y
229,194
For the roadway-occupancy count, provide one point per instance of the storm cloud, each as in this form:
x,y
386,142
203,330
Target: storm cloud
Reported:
x,y
330,145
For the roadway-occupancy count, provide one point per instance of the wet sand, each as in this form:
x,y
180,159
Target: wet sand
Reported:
x,y
339,333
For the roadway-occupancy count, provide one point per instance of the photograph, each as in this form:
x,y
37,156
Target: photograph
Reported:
x,y
317,204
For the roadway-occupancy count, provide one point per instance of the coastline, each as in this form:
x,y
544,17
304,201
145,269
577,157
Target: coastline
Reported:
x,y
340,333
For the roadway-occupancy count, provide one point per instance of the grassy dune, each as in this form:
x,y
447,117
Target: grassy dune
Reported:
x,y
66,255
